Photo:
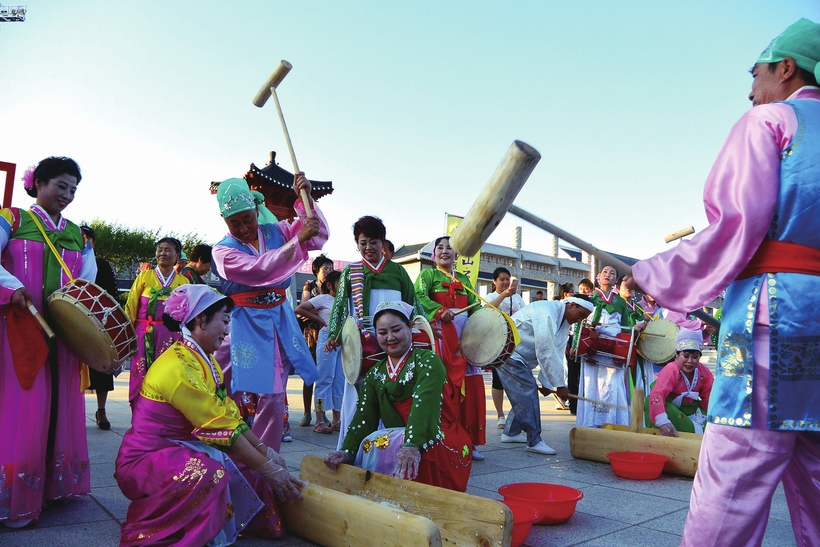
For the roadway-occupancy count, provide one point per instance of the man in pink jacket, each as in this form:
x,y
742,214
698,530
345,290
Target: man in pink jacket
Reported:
x,y
763,247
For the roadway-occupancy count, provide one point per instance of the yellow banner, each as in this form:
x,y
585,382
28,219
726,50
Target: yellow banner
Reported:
x,y
468,265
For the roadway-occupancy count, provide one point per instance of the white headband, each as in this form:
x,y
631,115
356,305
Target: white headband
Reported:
x,y
580,302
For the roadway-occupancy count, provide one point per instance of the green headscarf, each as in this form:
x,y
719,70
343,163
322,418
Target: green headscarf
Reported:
x,y
801,42
234,196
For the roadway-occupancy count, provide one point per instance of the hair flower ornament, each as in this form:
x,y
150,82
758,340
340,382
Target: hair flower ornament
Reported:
x,y
177,304
28,178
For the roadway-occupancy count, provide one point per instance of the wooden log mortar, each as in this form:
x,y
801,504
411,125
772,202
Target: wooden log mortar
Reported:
x,y
333,519
589,443
462,519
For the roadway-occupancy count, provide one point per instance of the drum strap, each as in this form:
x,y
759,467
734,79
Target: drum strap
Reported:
x,y
51,245
357,295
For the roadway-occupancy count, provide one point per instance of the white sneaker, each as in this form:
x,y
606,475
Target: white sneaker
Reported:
x,y
477,456
520,438
541,448
501,423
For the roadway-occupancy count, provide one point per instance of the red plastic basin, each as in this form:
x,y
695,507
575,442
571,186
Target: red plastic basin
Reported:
x,y
523,517
555,503
643,466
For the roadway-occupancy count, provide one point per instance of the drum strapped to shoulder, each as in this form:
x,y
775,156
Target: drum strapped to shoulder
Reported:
x,y
356,361
487,339
657,341
609,351
92,325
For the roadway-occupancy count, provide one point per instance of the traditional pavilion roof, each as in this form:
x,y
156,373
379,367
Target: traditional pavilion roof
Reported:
x,y
276,184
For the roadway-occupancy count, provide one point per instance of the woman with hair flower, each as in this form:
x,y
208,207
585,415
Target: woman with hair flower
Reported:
x,y
193,470
145,306
42,409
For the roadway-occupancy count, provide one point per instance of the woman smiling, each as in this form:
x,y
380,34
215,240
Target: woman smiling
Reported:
x,y
42,410
145,305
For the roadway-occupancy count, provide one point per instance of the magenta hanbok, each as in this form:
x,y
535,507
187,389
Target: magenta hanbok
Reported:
x,y
145,306
173,465
42,458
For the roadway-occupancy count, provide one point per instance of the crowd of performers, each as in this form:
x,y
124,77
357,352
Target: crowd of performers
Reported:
x,y
201,461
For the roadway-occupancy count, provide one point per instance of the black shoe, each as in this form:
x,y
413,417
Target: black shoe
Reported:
x,y
102,420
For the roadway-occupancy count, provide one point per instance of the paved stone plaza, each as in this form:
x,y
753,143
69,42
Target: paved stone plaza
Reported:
x,y
614,512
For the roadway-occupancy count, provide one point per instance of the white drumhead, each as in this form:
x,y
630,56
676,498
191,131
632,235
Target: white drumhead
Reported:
x,y
484,337
657,342
351,350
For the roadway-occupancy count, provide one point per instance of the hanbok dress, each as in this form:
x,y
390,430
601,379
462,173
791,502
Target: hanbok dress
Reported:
x,y
609,384
144,307
412,405
266,343
184,488
677,400
44,453
362,287
437,292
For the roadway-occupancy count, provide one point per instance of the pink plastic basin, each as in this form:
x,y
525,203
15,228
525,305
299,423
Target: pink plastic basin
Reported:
x,y
523,517
555,503
643,466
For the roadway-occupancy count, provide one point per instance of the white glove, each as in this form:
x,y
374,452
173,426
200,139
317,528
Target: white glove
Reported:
x,y
274,456
283,483
407,466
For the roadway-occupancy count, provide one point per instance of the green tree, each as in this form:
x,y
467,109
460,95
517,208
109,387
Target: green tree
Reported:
x,y
126,247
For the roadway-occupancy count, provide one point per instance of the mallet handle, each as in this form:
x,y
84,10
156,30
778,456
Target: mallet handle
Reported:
x,y
569,238
40,320
603,256
305,200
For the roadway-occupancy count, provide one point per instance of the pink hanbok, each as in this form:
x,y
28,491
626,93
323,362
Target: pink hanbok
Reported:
x,y
44,454
184,490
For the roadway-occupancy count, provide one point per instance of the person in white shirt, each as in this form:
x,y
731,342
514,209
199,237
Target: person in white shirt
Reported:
x,y
543,327
505,297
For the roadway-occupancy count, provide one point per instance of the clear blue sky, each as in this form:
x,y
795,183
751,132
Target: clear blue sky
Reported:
x,y
406,107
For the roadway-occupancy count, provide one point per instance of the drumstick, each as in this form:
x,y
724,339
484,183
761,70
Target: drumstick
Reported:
x,y
269,90
597,402
39,318
468,308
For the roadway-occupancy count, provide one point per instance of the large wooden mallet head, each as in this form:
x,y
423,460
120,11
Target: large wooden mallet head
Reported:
x,y
496,198
275,79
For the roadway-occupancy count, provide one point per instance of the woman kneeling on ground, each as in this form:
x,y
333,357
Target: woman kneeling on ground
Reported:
x,y
193,470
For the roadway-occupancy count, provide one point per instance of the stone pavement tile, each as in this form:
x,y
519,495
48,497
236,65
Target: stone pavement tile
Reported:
x,y
102,445
112,499
102,475
780,509
67,535
626,506
779,533
632,536
671,523
581,527
72,511
666,486
583,471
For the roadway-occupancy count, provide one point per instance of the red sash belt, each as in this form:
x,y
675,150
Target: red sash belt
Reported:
x,y
263,298
783,257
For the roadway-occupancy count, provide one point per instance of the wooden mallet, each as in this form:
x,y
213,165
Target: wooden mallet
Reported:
x,y
268,89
